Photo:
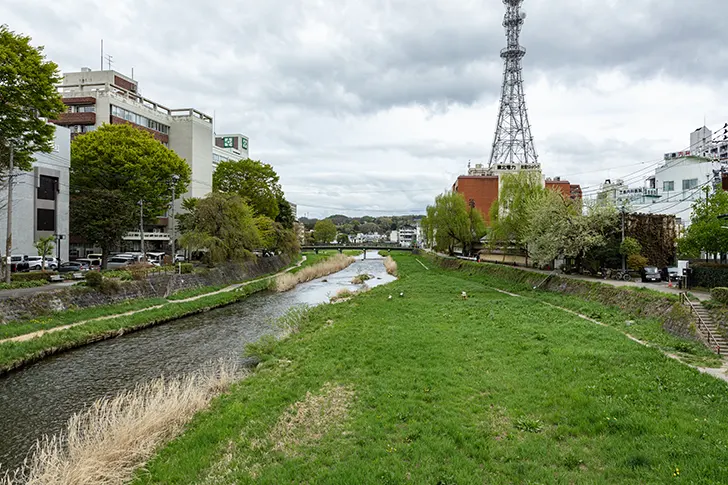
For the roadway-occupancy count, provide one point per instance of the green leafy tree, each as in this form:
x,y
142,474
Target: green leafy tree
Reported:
x,y
223,226
324,231
509,214
369,228
44,246
256,182
451,222
629,247
112,169
285,216
342,239
28,97
706,232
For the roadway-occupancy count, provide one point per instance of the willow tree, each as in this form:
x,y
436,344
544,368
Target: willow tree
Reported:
x,y
451,222
222,226
509,214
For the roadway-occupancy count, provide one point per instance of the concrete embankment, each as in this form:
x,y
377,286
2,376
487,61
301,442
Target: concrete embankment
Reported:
x,y
156,285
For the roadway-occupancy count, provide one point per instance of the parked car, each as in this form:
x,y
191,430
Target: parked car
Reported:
x,y
179,258
72,267
93,264
651,273
670,274
19,263
35,263
120,261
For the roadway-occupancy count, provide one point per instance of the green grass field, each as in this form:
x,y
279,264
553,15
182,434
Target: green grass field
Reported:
x,y
431,388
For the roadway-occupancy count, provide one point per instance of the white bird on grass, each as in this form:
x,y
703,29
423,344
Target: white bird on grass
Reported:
x,y
401,294
390,297
464,295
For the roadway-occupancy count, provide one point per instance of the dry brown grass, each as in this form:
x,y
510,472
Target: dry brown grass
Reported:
x,y
390,265
306,422
342,294
334,264
106,443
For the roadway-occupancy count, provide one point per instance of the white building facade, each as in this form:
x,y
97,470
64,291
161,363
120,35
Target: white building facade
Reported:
x,y
94,98
41,200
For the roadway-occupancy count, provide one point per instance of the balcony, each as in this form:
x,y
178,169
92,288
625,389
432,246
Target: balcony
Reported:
x,y
148,236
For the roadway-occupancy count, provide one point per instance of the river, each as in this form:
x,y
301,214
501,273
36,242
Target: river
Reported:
x,y
40,399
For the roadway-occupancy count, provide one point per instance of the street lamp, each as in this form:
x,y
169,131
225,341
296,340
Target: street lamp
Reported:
x,y
175,179
141,228
59,238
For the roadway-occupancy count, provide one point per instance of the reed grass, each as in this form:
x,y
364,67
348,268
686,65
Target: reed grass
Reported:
x,y
107,442
331,265
390,265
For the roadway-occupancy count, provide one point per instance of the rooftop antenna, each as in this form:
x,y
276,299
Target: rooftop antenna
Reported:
x,y
102,54
110,60
513,143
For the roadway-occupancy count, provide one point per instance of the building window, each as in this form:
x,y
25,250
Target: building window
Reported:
x,y
86,109
47,187
46,220
139,120
690,184
668,186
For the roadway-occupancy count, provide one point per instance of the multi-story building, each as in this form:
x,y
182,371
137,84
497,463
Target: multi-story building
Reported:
x,y
481,187
97,97
229,148
41,200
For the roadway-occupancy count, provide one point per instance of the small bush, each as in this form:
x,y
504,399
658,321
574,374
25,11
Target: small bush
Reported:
x,y
186,268
138,271
109,286
709,275
390,265
94,279
23,284
31,276
720,294
361,278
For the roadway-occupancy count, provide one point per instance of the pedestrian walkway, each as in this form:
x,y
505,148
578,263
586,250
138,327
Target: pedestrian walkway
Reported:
x,y
227,289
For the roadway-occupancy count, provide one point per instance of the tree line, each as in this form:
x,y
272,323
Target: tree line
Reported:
x,y
545,225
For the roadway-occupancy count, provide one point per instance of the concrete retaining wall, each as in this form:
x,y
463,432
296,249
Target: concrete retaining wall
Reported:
x,y
160,285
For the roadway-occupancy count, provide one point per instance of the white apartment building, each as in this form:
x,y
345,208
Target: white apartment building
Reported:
x,y
679,182
41,200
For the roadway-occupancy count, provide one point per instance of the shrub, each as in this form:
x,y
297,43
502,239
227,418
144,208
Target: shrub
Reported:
x,y
390,265
720,294
31,276
636,261
709,275
23,284
94,279
138,271
186,268
109,286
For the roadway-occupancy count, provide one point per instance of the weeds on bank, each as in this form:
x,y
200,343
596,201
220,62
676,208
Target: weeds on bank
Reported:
x,y
492,389
331,265
68,317
192,292
390,265
15,353
106,443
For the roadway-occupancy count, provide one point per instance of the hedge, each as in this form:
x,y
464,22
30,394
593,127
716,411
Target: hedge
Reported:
x,y
709,275
40,276
720,295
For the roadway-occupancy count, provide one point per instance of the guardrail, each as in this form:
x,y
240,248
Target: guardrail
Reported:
x,y
702,326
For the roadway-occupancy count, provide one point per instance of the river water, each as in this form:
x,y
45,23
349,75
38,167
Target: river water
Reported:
x,y
41,398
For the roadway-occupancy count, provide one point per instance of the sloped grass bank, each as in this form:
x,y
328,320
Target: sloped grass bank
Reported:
x,y
654,317
14,355
434,388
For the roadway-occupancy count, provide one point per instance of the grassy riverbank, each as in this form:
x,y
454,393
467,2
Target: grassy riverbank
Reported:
x,y
430,387
18,354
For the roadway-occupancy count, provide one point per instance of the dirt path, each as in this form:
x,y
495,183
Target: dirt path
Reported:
x,y
40,333
718,372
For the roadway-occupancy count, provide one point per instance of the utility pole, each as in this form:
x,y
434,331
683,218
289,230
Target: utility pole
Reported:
x,y
175,179
9,238
624,258
141,228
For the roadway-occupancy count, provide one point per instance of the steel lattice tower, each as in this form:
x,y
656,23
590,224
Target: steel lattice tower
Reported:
x,y
513,148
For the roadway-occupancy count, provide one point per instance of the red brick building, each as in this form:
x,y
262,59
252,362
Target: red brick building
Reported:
x,y
483,190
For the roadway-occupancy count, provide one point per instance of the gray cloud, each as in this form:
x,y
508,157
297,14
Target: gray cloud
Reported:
x,y
320,87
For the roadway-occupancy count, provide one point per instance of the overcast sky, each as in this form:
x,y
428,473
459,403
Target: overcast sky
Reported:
x,y
376,106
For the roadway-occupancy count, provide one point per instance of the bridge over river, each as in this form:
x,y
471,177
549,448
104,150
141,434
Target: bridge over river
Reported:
x,y
363,247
